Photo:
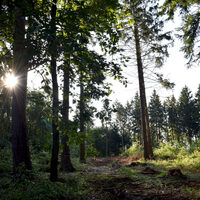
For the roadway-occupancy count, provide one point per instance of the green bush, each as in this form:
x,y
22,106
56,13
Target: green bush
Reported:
x,y
135,149
91,151
43,157
166,151
38,188
5,160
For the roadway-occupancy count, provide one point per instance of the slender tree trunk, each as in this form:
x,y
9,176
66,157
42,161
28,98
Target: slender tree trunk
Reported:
x,y
122,142
66,164
189,137
20,148
55,149
106,141
148,153
82,123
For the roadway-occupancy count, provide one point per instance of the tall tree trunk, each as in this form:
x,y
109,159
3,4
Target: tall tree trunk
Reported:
x,y
82,121
148,152
106,141
66,164
122,142
55,149
20,148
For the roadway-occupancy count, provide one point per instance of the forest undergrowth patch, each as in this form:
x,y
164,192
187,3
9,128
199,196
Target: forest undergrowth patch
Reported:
x,y
130,182
111,178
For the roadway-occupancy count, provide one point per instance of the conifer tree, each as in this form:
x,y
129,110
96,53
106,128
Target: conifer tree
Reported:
x,y
145,30
156,117
172,118
187,115
197,103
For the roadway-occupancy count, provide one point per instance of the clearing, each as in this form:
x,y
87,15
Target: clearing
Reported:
x,y
127,179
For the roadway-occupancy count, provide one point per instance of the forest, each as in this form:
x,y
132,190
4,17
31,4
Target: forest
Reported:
x,y
51,146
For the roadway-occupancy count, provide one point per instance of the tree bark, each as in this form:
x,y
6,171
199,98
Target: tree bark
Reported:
x,y
20,148
148,152
55,106
66,164
82,123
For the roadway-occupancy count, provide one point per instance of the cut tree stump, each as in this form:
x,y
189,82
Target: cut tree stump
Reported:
x,y
175,172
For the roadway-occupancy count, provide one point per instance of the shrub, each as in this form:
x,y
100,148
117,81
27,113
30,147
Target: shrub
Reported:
x,y
38,188
166,151
136,150
91,151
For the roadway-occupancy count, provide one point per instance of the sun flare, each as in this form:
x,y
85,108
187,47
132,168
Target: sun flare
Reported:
x,y
11,80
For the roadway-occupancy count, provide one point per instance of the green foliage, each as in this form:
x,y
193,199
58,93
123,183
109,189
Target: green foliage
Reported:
x,y
74,150
5,113
42,157
188,114
122,124
156,118
135,150
99,136
169,156
127,171
38,112
41,190
189,29
91,151
34,185
168,151
5,160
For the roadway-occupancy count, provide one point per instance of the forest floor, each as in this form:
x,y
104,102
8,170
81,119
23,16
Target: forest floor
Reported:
x,y
113,178
122,178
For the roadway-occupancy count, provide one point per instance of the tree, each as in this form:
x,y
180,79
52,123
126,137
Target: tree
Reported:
x,y
146,29
187,114
38,112
197,103
80,20
98,140
137,116
21,154
156,117
190,32
105,117
134,119
66,164
5,116
82,120
172,118
55,106
121,123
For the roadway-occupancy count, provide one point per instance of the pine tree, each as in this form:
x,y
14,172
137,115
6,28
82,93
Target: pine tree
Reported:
x,y
187,114
134,118
156,117
197,103
146,33
172,118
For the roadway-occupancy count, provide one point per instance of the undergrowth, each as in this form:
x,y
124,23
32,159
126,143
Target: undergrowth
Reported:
x,y
35,184
135,150
171,155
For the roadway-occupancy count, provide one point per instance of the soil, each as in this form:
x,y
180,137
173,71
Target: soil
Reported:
x,y
121,178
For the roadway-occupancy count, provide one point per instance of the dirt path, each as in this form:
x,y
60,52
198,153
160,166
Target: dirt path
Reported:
x,y
123,178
